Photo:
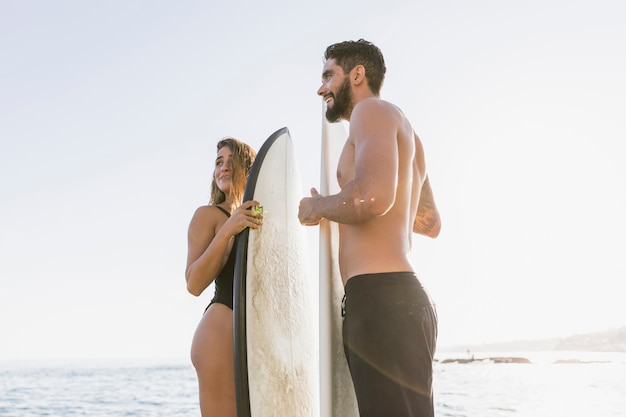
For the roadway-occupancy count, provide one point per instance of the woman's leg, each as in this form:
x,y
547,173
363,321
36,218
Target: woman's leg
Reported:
x,y
213,357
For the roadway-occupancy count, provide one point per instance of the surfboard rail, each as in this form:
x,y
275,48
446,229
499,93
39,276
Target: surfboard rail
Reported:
x,y
336,388
242,385
276,358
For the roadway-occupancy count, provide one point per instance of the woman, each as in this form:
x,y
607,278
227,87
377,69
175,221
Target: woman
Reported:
x,y
211,257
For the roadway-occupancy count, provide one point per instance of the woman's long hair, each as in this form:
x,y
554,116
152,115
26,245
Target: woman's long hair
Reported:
x,y
243,157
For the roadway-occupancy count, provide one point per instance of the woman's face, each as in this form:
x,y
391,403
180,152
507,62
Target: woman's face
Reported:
x,y
224,169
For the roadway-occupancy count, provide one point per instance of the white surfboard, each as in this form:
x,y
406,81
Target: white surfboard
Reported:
x,y
337,391
276,353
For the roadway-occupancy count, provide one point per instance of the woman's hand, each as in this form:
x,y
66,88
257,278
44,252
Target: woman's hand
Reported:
x,y
244,217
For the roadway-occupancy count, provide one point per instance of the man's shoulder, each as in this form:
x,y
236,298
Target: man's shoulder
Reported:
x,y
375,103
374,107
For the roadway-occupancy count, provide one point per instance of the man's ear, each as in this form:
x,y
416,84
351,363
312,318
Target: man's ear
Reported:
x,y
357,75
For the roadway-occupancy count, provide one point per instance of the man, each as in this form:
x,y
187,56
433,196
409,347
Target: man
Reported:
x,y
390,324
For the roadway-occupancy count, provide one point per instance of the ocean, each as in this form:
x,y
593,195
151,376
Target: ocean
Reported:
x,y
587,384
554,384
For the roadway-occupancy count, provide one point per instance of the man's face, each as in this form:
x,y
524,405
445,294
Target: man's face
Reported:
x,y
336,92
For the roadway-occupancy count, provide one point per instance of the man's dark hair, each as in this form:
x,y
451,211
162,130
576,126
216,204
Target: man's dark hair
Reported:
x,y
349,54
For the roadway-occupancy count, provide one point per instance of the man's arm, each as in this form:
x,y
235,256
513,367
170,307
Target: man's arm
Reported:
x,y
372,191
427,220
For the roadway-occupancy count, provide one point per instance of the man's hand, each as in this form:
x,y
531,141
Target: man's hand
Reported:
x,y
307,214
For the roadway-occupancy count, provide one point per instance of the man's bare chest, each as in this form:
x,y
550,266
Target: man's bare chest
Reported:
x,y
345,166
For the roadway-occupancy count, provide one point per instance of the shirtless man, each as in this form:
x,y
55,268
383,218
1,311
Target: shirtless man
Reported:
x,y
390,323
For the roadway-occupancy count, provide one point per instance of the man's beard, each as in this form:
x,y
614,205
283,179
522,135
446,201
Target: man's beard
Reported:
x,y
342,102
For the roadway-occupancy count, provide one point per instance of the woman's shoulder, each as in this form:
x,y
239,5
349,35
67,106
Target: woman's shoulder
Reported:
x,y
206,219
208,214
209,211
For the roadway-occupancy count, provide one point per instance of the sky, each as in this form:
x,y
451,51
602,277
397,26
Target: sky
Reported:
x,y
110,113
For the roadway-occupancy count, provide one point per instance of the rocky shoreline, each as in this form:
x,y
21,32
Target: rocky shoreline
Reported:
x,y
513,359
492,359
612,340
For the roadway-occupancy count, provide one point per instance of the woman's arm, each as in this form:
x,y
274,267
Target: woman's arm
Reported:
x,y
210,242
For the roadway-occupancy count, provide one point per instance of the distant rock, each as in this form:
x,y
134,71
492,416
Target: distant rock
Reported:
x,y
505,359
460,360
493,359
577,361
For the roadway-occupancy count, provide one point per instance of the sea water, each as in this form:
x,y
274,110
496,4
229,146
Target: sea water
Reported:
x,y
554,384
595,386
98,389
